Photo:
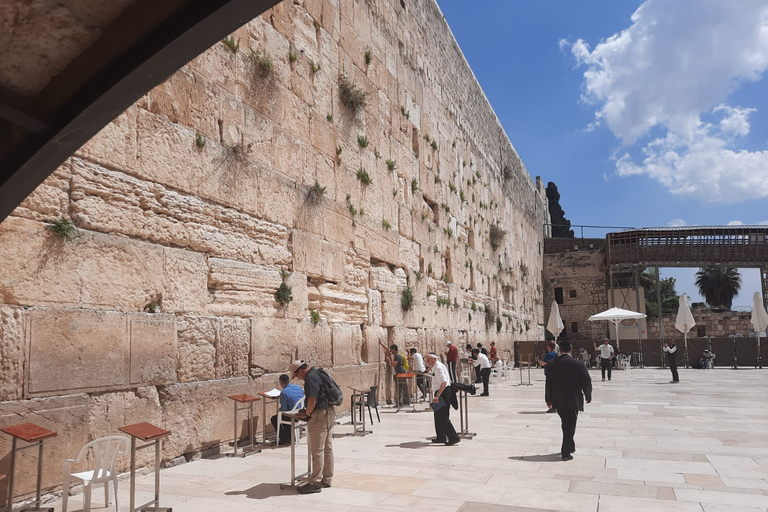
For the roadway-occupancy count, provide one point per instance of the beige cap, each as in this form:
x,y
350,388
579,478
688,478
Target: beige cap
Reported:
x,y
295,366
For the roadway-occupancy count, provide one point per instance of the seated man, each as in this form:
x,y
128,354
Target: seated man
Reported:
x,y
707,360
290,395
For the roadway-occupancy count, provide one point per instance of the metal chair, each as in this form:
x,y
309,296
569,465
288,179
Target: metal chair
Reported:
x,y
105,453
370,401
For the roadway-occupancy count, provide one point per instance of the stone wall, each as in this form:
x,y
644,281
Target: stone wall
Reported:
x,y
191,203
708,323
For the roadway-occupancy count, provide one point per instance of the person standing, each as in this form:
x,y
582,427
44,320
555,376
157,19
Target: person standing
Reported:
x,y
481,361
494,355
319,427
290,395
452,357
416,363
606,355
671,351
568,385
442,391
551,355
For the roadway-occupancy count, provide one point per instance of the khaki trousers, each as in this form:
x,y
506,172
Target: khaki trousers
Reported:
x,y
320,443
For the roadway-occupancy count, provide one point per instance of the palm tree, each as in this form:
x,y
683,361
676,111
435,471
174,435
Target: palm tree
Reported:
x,y
718,285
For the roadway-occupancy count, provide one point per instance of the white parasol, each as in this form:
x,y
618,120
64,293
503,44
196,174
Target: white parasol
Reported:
x,y
684,321
616,315
759,321
555,323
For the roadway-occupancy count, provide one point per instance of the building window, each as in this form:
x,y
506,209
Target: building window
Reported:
x,y
572,294
559,295
574,327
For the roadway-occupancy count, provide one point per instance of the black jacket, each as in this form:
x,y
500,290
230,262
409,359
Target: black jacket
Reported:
x,y
568,382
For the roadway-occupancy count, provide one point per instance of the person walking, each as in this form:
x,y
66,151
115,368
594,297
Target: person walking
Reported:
x,y
443,393
290,394
452,358
671,351
319,426
567,386
481,361
606,355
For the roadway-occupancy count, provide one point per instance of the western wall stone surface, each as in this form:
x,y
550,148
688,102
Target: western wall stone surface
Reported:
x,y
195,199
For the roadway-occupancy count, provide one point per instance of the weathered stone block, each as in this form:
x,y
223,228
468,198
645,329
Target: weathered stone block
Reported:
x,y
49,200
70,350
153,348
374,307
185,287
307,253
12,348
233,345
347,344
343,304
273,343
196,349
314,344
372,336
115,145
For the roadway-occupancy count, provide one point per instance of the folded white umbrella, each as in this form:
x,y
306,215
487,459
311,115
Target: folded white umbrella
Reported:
x,y
684,321
759,315
555,323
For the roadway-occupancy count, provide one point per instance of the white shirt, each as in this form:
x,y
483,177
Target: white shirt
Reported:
x,y
671,350
418,363
441,375
606,351
481,361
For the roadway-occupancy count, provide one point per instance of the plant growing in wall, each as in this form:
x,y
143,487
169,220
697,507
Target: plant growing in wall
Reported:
x,y
446,278
199,140
231,44
385,224
314,66
363,176
414,185
434,144
490,317
499,325
315,193
406,113
154,305
329,118
283,295
527,325
391,164
338,155
351,95
368,57
429,269
314,316
261,65
376,154
496,236
406,299
362,141
292,56
61,227
443,301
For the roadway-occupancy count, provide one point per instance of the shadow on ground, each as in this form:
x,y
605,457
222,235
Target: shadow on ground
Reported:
x,y
547,457
263,491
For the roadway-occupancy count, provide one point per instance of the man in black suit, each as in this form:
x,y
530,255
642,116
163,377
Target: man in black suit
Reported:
x,y
568,383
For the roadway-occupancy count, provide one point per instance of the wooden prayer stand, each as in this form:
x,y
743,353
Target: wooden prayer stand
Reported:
x,y
34,435
151,435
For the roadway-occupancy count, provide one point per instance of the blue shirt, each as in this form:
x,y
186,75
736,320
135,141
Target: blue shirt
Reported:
x,y
290,395
549,356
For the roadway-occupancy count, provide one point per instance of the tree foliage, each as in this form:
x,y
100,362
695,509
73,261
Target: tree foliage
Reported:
x,y
669,300
561,227
718,285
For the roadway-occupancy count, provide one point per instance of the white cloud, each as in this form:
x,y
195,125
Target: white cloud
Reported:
x,y
735,223
676,223
676,62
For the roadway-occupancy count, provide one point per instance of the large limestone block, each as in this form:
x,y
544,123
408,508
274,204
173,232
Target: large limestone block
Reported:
x,y
92,270
196,348
242,288
273,343
75,349
385,280
199,414
391,309
357,263
115,145
66,415
110,201
409,253
374,307
12,347
343,304
297,308
372,336
153,348
315,344
50,200
347,344
333,261
185,288
233,345
307,253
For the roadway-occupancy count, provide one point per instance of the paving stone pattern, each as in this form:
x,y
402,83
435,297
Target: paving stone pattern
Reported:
x,y
642,445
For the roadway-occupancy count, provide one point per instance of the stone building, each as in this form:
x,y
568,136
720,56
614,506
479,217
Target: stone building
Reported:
x,y
257,165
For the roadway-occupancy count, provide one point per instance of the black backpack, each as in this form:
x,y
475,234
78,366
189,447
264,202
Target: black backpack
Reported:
x,y
331,390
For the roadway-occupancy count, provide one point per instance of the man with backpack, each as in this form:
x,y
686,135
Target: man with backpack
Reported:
x,y
399,366
322,395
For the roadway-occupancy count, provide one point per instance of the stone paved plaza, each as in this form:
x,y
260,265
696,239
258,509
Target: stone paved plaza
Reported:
x,y
642,445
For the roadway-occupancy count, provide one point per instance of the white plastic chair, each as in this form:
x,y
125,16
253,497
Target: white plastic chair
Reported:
x,y
623,362
281,420
465,377
105,453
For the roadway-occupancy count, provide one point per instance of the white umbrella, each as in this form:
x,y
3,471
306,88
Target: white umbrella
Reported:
x,y
759,320
555,323
684,321
616,315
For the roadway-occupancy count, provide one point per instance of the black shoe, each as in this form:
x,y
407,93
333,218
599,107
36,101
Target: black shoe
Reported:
x,y
567,457
308,489
438,441
325,485
552,410
484,394
451,443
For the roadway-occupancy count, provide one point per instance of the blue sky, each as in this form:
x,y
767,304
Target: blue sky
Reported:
x,y
644,113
